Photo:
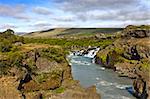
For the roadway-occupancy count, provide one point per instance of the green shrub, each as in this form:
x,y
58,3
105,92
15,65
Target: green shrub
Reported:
x,y
5,46
15,58
68,43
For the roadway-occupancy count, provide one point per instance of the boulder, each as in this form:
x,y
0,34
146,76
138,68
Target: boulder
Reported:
x,y
137,31
140,88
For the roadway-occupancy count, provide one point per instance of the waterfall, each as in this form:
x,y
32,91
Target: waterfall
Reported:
x,y
92,53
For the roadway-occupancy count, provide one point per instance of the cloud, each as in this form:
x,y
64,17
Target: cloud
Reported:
x,y
107,10
136,15
118,15
41,10
40,26
97,15
14,11
86,5
74,13
64,18
64,25
7,26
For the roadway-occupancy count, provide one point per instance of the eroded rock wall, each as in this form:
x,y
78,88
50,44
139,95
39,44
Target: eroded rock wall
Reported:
x,y
130,57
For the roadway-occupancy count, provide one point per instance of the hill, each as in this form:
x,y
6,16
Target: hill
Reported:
x,y
59,32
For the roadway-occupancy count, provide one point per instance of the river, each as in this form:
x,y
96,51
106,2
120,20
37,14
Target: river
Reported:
x,y
107,82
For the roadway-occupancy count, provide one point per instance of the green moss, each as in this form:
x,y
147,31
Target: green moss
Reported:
x,y
54,54
31,64
118,50
56,74
42,77
59,90
9,60
103,57
15,48
122,59
142,27
145,64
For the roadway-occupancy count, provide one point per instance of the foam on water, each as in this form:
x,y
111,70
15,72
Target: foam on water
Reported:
x,y
97,78
102,68
110,96
106,83
122,86
80,62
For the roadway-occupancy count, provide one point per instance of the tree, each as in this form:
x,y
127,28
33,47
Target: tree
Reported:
x,y
9,32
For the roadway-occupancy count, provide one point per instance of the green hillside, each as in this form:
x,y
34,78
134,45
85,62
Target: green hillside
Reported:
x,y
71,31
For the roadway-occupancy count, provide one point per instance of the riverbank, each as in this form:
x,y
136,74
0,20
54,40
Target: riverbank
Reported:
x,y
107,82
37,71
42,72
36,67
129,56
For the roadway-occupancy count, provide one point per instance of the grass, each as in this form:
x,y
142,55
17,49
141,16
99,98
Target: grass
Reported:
x,y
142,27
71,31
67,43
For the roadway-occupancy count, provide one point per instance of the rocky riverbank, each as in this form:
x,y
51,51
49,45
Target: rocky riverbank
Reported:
x,y
40,72
129,55
37,71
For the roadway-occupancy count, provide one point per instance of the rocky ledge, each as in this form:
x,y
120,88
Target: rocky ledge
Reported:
x,y
37,72
129,55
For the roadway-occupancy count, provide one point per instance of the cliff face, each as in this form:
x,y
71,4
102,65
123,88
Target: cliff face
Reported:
x,y
37,72
44,70
129,55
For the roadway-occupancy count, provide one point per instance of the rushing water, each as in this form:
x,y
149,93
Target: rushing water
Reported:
x,y
107,82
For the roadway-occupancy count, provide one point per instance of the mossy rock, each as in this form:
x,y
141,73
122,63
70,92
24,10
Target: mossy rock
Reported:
x,y
59,90
43,84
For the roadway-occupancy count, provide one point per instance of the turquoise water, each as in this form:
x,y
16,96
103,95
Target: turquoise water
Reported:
x,y
107,82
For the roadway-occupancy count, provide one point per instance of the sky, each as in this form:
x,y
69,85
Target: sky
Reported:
x,y
35,15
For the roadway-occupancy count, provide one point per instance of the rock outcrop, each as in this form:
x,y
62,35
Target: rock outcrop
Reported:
x,y
140,88
39,73
130,57
137,31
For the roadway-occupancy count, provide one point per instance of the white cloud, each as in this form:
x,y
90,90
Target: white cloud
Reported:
x,y
7,26
14,11
42,10
75,13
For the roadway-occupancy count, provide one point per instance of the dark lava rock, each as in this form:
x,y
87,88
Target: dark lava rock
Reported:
x,y
140,88
138,33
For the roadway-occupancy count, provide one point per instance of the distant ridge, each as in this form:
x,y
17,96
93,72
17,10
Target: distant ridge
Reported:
x,y
70,31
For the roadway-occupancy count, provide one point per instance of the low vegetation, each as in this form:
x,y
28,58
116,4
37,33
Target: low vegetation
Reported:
x,y
68,43
61,32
